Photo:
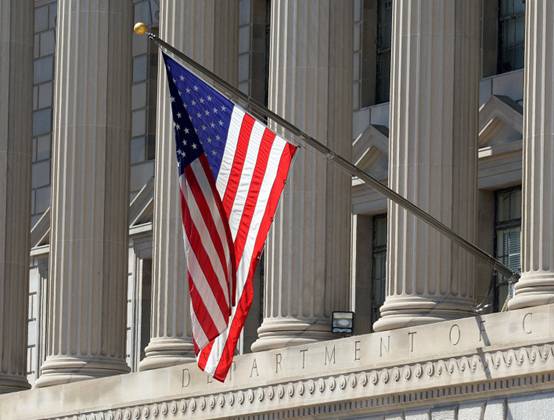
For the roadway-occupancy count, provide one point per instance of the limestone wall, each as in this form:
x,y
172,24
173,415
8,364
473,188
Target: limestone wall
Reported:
x,y
458,367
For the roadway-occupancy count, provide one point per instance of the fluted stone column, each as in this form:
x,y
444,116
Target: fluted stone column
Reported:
x,y
308,247
208,32
433,158
16,106
536,286
87,286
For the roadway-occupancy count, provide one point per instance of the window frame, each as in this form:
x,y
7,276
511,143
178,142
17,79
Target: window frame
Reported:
x,y
504,225
382,95
512,49
377,249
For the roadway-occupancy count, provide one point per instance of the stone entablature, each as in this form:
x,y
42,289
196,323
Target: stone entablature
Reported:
x,y
481,357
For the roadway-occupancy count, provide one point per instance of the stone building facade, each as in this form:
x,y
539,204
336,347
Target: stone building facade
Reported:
x,y
447,101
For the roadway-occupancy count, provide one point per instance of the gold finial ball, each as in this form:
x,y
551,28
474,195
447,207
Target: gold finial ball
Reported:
x,y
140,28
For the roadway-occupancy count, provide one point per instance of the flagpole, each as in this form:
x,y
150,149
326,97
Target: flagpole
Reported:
x,y
350,168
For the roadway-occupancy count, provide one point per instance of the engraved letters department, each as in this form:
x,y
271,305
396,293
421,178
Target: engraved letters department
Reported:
x,y
463,336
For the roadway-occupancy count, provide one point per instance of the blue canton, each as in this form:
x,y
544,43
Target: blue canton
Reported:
x,y
201,117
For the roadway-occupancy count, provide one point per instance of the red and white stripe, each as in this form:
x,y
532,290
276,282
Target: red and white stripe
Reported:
x,y
211,261
250,181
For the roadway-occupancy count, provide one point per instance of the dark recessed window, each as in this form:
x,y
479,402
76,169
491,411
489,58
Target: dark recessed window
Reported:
x,y
253,60
508,238
144,91
145,305
378,265
383,53
43,93
511,34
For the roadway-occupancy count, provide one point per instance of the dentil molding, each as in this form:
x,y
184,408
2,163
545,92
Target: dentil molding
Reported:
x,y
366,390
466,359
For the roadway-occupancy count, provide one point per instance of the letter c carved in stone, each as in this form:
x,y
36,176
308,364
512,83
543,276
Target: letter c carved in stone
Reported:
x,y
524,323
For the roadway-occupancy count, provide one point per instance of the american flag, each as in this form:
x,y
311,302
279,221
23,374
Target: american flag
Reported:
x,y
232,170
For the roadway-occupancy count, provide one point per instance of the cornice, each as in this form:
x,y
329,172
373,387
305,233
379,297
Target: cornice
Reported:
x,y
496,372
449,362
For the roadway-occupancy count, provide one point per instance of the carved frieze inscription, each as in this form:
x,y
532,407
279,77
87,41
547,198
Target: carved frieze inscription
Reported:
x,y
386,348
452,359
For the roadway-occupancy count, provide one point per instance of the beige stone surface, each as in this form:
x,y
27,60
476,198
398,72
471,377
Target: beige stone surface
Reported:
x,y
433,160
16,106
497,366
449,362
307,254
90,176
208,32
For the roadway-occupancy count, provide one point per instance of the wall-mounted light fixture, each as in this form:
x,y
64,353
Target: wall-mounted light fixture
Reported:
x,y
343,322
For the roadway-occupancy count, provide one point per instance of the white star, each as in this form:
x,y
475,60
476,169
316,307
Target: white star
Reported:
x,y
204,127
181,77
212,125
172,99
202,100
217,137
185,142
223,107
187,130
174,81
177,126
180,93
209,139
209,98
214,152
186,106
195,88
179,115
215,110
194,145
207,112
198,114
187,90
193,102
220,122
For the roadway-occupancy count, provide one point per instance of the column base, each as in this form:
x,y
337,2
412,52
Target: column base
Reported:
x,y
167,351
13,383
533,289
58,370
276,333
408,311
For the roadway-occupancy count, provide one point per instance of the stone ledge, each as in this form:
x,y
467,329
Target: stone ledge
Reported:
x,y
497,354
